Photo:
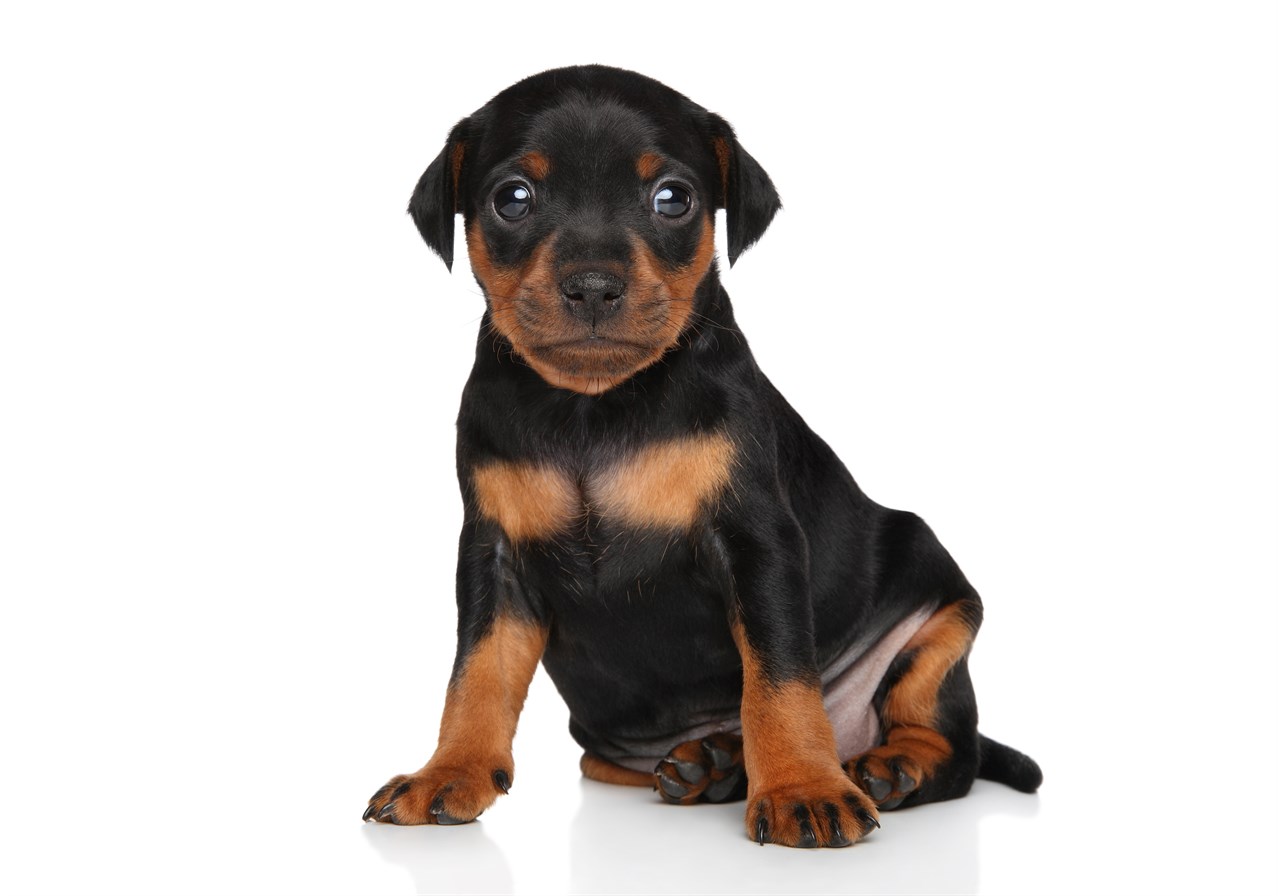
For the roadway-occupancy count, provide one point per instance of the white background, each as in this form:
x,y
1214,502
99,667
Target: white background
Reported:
x,y
1024,283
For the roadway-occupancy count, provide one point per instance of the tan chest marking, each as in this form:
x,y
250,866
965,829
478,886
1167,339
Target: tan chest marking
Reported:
x,y
666,486
529,502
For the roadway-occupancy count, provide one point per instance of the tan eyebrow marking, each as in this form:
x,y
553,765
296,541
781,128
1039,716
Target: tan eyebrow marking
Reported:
x,y
649,165
535,165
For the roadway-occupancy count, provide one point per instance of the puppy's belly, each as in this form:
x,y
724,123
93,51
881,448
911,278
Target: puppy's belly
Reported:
x,y
848,686
850,681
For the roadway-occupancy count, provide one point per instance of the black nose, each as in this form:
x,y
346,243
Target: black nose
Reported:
x,y
592,295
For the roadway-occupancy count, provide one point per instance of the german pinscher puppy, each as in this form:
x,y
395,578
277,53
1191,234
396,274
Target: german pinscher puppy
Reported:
x,y
724,611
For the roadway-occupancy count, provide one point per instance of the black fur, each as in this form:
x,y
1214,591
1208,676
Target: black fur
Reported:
x,y
639,618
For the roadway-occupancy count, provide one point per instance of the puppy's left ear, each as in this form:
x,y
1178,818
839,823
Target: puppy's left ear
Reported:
x,y
745,190
439,194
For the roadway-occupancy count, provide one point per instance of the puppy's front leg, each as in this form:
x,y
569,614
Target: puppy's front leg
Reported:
x,y
798,793
498,647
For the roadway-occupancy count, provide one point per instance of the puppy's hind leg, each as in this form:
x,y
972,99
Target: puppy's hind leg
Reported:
x,y
927,713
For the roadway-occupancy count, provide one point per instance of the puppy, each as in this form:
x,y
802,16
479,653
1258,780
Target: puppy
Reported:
x,y
723,610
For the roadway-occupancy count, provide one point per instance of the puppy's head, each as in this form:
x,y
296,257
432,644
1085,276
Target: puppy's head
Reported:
x,y
588,196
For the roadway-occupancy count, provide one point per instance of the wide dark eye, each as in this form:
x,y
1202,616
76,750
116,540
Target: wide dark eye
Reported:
x,y
513,201
672,201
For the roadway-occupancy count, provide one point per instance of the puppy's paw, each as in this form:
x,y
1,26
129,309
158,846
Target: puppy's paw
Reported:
x,y
829,812
707,770
439,794
887,775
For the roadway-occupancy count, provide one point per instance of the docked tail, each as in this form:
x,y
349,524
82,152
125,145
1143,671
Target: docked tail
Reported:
x,y
1008,766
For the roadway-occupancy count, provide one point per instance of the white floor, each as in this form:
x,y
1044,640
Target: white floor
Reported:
x,y
280,813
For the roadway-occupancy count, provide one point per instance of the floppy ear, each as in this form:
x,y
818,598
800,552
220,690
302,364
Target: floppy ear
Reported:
x,y
439,196
746,191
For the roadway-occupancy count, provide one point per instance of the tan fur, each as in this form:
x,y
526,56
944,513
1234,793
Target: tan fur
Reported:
x,y
487,694
665,485
502,284
672,287
475,736
791,759
909,710
524,304
596,768
937,646
649,165
787,736
528,502
536,165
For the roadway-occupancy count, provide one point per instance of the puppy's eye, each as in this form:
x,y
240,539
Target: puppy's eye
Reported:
x,y
672,201
513,201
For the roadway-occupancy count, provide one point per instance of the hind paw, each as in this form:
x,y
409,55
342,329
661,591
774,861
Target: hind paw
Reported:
x,y
707,770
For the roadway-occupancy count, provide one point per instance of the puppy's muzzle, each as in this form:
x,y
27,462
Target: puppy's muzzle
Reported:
x,y
592,296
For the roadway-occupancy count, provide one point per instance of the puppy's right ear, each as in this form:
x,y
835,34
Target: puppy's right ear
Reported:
x,y
439,197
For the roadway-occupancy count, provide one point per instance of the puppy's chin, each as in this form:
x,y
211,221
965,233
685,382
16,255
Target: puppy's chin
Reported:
x,y
589,366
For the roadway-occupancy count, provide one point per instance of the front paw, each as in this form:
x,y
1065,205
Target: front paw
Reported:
x,y
829,812
439,794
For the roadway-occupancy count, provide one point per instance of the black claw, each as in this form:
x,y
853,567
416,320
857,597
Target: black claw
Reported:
x,y
387,813
368,813
865,815
719,758
878,788
692,772
837,837
723,790
807,836
437,810
761,830
670,788
501,780
867,819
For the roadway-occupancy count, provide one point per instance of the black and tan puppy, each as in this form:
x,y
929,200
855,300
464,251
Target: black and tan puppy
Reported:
x,y
723,610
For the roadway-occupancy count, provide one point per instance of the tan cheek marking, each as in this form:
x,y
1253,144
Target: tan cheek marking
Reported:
x,y
649,165
536,165
683,281
678,285
501,284
499,281
937,646
665,485
527,501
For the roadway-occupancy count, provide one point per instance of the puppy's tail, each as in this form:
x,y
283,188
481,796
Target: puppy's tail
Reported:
x,y
1007,766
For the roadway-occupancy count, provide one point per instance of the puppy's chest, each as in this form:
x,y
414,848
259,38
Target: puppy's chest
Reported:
x,y
664,486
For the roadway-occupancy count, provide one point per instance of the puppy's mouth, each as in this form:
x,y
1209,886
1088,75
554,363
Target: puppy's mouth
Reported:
x,y
594,356
594,342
